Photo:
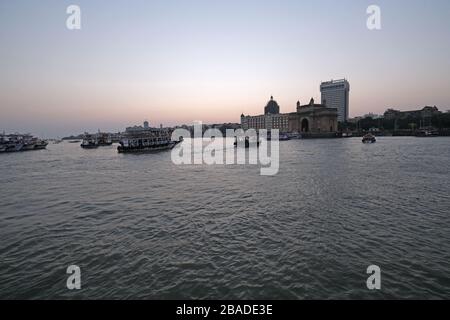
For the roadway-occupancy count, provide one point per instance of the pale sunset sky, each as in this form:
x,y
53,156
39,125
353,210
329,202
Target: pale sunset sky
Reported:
x,y
173,62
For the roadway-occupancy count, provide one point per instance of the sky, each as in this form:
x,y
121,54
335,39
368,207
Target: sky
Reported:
x,y
173,62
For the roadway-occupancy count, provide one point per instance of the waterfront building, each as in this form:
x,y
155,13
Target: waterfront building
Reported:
x,y
335,94
271,119
310,118
425,112
313,118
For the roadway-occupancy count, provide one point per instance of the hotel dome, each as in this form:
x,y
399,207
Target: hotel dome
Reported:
x,y
272,107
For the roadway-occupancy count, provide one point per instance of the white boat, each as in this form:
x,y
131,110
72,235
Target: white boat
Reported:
x,y
89,141
20,142
146,140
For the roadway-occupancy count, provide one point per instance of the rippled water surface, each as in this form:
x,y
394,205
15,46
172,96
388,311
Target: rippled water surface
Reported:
x,y
140,227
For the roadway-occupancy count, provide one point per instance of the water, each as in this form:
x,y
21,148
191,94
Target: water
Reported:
x,y
140,227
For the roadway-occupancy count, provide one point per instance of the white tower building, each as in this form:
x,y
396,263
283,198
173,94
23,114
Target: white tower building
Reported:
x,y
335,94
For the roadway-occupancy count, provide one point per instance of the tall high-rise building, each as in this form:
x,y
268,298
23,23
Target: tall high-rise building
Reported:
x,y
335,94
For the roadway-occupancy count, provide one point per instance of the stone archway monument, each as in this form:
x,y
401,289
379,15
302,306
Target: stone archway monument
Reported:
x,y
314,119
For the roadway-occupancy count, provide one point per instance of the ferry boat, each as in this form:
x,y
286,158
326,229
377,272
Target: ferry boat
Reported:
x,y
89,141
20,142
40,144
146,140
104,139
369,138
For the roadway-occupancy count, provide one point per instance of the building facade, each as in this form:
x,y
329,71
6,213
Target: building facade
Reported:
x,y
426,112
310,118
335,94
272,119
313,118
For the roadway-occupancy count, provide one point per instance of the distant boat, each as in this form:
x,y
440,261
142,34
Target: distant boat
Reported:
x,y
14,147
104,139
28,142
20,142
74,141
284,137
246,142
369,138
40,144
89,141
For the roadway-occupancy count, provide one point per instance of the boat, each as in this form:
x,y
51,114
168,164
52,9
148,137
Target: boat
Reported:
x,y
146,140
28,146
369,138
28,142
20,142
238,142
89,141
74,141
284,137
40,144
12,142
3,143
14,147
104,139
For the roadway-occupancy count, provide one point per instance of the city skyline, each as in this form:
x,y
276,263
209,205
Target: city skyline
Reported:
x,y
174,62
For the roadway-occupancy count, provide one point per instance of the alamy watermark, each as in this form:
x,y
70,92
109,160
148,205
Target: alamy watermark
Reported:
x,y
73,21
237,147
74,280
374,280
374,19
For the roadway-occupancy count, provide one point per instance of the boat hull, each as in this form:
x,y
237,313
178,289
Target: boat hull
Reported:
x,y
14,148
87,146
40,146
28,147
122,149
